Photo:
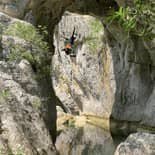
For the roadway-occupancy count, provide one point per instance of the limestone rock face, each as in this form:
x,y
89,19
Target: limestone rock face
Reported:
x,y
22,128
112,74
148,117
22,125
14,8
84,83
137,144
134,75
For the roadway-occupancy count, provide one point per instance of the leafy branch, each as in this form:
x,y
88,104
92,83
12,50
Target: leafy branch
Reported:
x,y
137,20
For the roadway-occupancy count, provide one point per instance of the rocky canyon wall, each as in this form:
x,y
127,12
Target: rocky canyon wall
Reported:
x,y
112,75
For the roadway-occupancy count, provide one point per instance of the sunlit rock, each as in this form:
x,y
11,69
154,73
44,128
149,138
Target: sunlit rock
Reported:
x,y
85,83
22,122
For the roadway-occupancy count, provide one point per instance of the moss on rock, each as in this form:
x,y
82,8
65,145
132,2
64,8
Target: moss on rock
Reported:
x,y
94,40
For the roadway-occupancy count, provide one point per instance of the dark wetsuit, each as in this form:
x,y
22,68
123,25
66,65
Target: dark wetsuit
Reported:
x,y
69,44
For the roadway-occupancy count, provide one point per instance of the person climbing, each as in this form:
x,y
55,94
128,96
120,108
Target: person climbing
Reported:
x,y
69,44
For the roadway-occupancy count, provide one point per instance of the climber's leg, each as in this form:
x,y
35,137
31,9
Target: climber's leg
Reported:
x,y
73,53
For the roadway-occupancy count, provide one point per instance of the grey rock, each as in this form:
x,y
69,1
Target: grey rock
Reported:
x,y
116,80
29,17
134,77
23,107
79,82
21,124
148,117
137,144
14,8
131,83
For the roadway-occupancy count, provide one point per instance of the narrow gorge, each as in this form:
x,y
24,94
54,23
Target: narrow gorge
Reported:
x,y
98,101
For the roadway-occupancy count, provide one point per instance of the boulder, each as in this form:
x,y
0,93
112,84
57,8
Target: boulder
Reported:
x,y
23,107
84,83
22,127
111,75
137,144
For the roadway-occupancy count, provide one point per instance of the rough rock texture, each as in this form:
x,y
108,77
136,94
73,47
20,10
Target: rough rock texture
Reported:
x,y
110,76
134,75
117,80
148,117
132,59
22,125
137,144
85,83
49,12
14,8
